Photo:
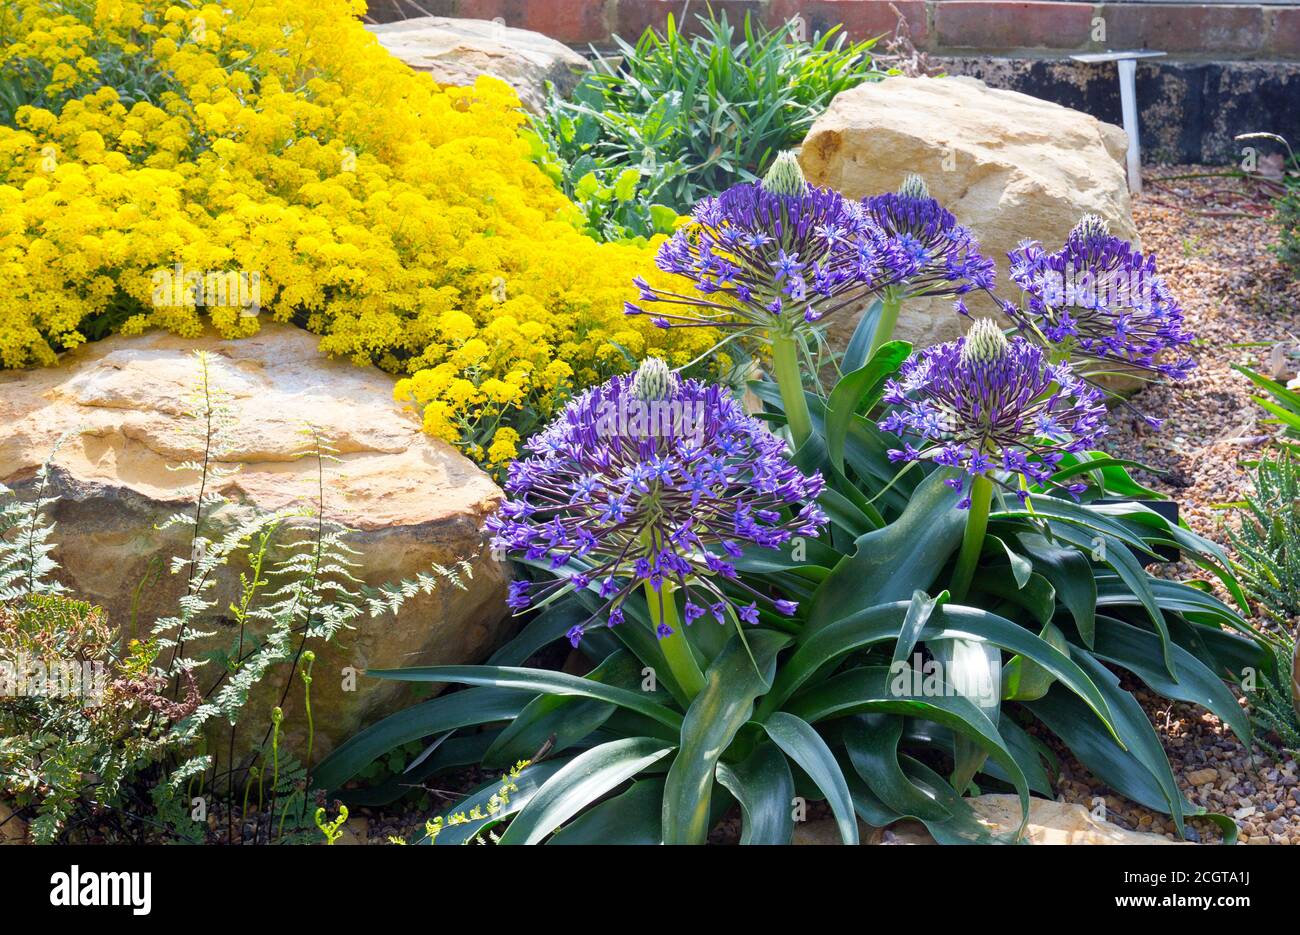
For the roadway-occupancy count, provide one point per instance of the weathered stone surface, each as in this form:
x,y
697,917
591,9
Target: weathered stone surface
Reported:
x,y
1049,823
456,51
412,500
1052,822
13,830
1009,166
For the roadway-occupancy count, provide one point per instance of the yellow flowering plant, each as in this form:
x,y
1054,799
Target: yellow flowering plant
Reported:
x,y
187,165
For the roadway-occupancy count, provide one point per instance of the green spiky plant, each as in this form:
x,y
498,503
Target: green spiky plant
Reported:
x,y
1266,536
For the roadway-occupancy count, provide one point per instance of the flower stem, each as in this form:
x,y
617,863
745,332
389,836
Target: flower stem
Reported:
x,y
681,661
977,521
785,367
890,303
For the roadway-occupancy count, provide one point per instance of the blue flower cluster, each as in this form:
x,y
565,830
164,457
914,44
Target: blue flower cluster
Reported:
x,y
983,405
1099,299
652,480
945,257
782,253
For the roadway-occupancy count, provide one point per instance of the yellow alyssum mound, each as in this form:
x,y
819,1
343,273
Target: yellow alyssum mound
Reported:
x,y
277,157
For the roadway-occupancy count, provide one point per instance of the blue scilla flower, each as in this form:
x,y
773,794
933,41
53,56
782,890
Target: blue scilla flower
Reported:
x,y
649,481
946,256
1100,301
991,407
773,256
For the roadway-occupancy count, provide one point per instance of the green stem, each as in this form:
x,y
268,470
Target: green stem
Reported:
x,y
890,303
977,521
785,367
681,661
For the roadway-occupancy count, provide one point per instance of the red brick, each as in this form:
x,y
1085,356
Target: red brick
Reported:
x,y
391,11
1183,28
861,19
572,21
1284,37
634,16
996,24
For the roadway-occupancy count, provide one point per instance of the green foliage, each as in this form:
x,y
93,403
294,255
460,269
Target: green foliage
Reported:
x,y
161,705
1266,536
1275,704
873,698
675,117
76,720
1287,217
1282,404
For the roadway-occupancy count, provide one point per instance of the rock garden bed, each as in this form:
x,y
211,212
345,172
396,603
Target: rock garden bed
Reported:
x,y
732,441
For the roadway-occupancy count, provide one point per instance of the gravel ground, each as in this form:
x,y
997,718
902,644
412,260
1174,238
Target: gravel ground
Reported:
x,y
1234,292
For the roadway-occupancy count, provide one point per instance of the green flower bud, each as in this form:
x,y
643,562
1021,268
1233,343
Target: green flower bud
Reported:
x,y
785,177
914,187
1091,225
984,343
653,380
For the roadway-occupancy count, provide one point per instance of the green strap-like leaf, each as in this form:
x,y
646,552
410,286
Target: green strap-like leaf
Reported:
x,y
547,627
1136,649
877,689
1024,679
857,390
529,781
872,746
974,669
444,713
1070,574
803,745
1130,571
859,346
764,787
632,817
536,680
562,719
876,624
581,781
1141,772
892,563
720,709
914,621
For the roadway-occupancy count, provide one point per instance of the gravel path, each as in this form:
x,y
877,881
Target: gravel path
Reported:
x,y
1235,292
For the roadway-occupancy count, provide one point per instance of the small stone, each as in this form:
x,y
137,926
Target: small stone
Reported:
x,y
1200,777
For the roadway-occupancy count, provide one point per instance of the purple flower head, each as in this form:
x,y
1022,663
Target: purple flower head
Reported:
x,y
946,256
674,475
1100,300
986,406
780,253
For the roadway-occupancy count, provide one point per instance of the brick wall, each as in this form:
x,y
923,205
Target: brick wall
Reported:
x,y
1192,31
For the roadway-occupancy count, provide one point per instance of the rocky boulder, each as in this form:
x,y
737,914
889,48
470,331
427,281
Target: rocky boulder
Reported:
x,y
1009,166
411,499
1049,823
456,51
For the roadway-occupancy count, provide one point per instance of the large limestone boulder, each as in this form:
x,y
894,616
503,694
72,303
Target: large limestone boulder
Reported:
x,y
1049,823
412,500
456,51
1009,166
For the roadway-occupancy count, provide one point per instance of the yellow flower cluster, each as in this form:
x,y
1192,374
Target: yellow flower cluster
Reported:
x,y
154,143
